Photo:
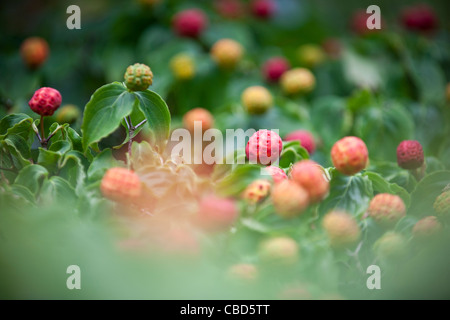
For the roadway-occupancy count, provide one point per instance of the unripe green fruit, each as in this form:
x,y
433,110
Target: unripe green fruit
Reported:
x,y
138,77
68,113
390,246
280,250
442,205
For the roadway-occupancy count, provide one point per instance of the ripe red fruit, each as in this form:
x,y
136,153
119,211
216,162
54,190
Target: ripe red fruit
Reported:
x,y
410,154
426,227
349,155
198,114
289,199
341,228
386,209
419,18
310,176
256,191
274,68
231,9
263,9
120,184
45,101
190,23
264,147
277,174
34,51
217,214
305,138
359,23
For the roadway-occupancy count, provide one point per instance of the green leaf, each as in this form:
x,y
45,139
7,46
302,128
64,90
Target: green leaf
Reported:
x,y
350,193
72,169
144,155
75,138
381,185
31,176
102,162
18,150
239,179
104,112
17,124
292,152
157,115
51,158
426,192
57,190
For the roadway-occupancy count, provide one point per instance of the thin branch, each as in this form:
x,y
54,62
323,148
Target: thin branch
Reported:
x,y
140,124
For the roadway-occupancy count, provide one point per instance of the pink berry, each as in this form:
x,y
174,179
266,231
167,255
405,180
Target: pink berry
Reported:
x,y
45,101
217,214
305,138
419,18
190,23
349,155
274,68
277,174
310,176
263,9
264,147
410,154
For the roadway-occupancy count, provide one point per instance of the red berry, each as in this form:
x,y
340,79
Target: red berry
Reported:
x,y
231,9
120,184
34,51
190,23
359,23
264,147
198,114
277,174
305,138
274,68
263,9
349,155
387,209
410,154
426,227
419,18
310,176
217,214
45,101
289,199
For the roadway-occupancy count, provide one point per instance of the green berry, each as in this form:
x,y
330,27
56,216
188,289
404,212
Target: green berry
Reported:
x,y
138,77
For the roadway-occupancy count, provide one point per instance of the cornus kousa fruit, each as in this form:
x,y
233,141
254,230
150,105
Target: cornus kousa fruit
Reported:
x,y
311,177
349,155
305,138
34,51
298,80
386,209
45,101
277,174
138,77
243,271
410,154
263,9
426,227
359,23
257,100
203,116
341,228
256,191
190,23
183,67
289,199
121,184
442,204
279,250
310,55
227,53
68,113
419,18
231,9
217,214
274,68
391,245
264,147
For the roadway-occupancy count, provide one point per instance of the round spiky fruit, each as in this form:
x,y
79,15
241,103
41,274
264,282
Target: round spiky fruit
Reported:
x,y
264,147
274,68
243,271
227,53
419,18
349,155
216,213
190,23
34,51
256,191
309,175
138,77
263,9
277,174
257,100
386,209
305,138
183,67
121,184
391,245
310,55
341,228
410,154
442,204
200,115
45,101
298,80
279,250
68,113
426,227
289,199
